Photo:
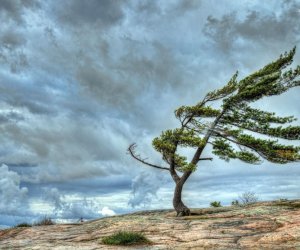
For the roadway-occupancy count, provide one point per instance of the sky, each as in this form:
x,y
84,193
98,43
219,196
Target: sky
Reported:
x,y
82,80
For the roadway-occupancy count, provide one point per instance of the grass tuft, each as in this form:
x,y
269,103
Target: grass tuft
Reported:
x,y
24,224
125,238
215,204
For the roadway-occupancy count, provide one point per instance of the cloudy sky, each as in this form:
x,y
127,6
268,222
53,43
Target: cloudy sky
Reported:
x,y
81,80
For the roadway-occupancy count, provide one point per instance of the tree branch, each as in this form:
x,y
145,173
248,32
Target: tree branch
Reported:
x,y
199,150
185,123
206,138
242,144
131,151
206,159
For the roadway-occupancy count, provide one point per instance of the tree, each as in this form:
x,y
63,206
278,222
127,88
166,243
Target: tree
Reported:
x,y
233,128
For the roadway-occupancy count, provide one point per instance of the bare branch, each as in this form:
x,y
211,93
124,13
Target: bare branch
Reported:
x,y
206,159
131,151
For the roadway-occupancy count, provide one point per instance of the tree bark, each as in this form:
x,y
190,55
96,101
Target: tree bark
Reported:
x,y
180,208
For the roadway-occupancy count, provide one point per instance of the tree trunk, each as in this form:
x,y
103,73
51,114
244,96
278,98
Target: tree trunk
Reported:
x,y
180,208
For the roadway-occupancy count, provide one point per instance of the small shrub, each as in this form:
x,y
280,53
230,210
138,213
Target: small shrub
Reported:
x,y
283,200
215,204
24,224
125,238
235,203
45,222
248,198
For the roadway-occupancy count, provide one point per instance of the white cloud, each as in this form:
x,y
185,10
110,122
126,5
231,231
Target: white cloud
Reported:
x,y
68,207
145,187
12,196
106,211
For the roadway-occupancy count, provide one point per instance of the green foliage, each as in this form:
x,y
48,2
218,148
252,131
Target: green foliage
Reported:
x,y
227,133
233,132
186,167
270,149
224,150
24,224
283,200
235,203
196,111
125,238
167,143
43,222
228,89
244,113
259,121
168,140
215,204
267,81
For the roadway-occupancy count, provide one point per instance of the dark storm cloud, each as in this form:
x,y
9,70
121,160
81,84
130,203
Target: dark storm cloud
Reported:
x,y
10,117
76,13
24,94
12,34
14,9
257,28
93,185
144,66
12,39
11,50
152,63
147,7
76,151
247,40
103,86
184,6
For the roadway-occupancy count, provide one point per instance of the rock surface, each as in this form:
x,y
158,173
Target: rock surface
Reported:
x,y
265,225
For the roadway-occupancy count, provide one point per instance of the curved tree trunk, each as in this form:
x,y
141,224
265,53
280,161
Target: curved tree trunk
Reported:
x,y
180,208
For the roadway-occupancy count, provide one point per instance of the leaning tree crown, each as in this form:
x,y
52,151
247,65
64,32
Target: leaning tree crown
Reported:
x,y
227,128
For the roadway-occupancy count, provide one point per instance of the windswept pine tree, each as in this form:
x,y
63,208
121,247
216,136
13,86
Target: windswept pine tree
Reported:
x,y
234,129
